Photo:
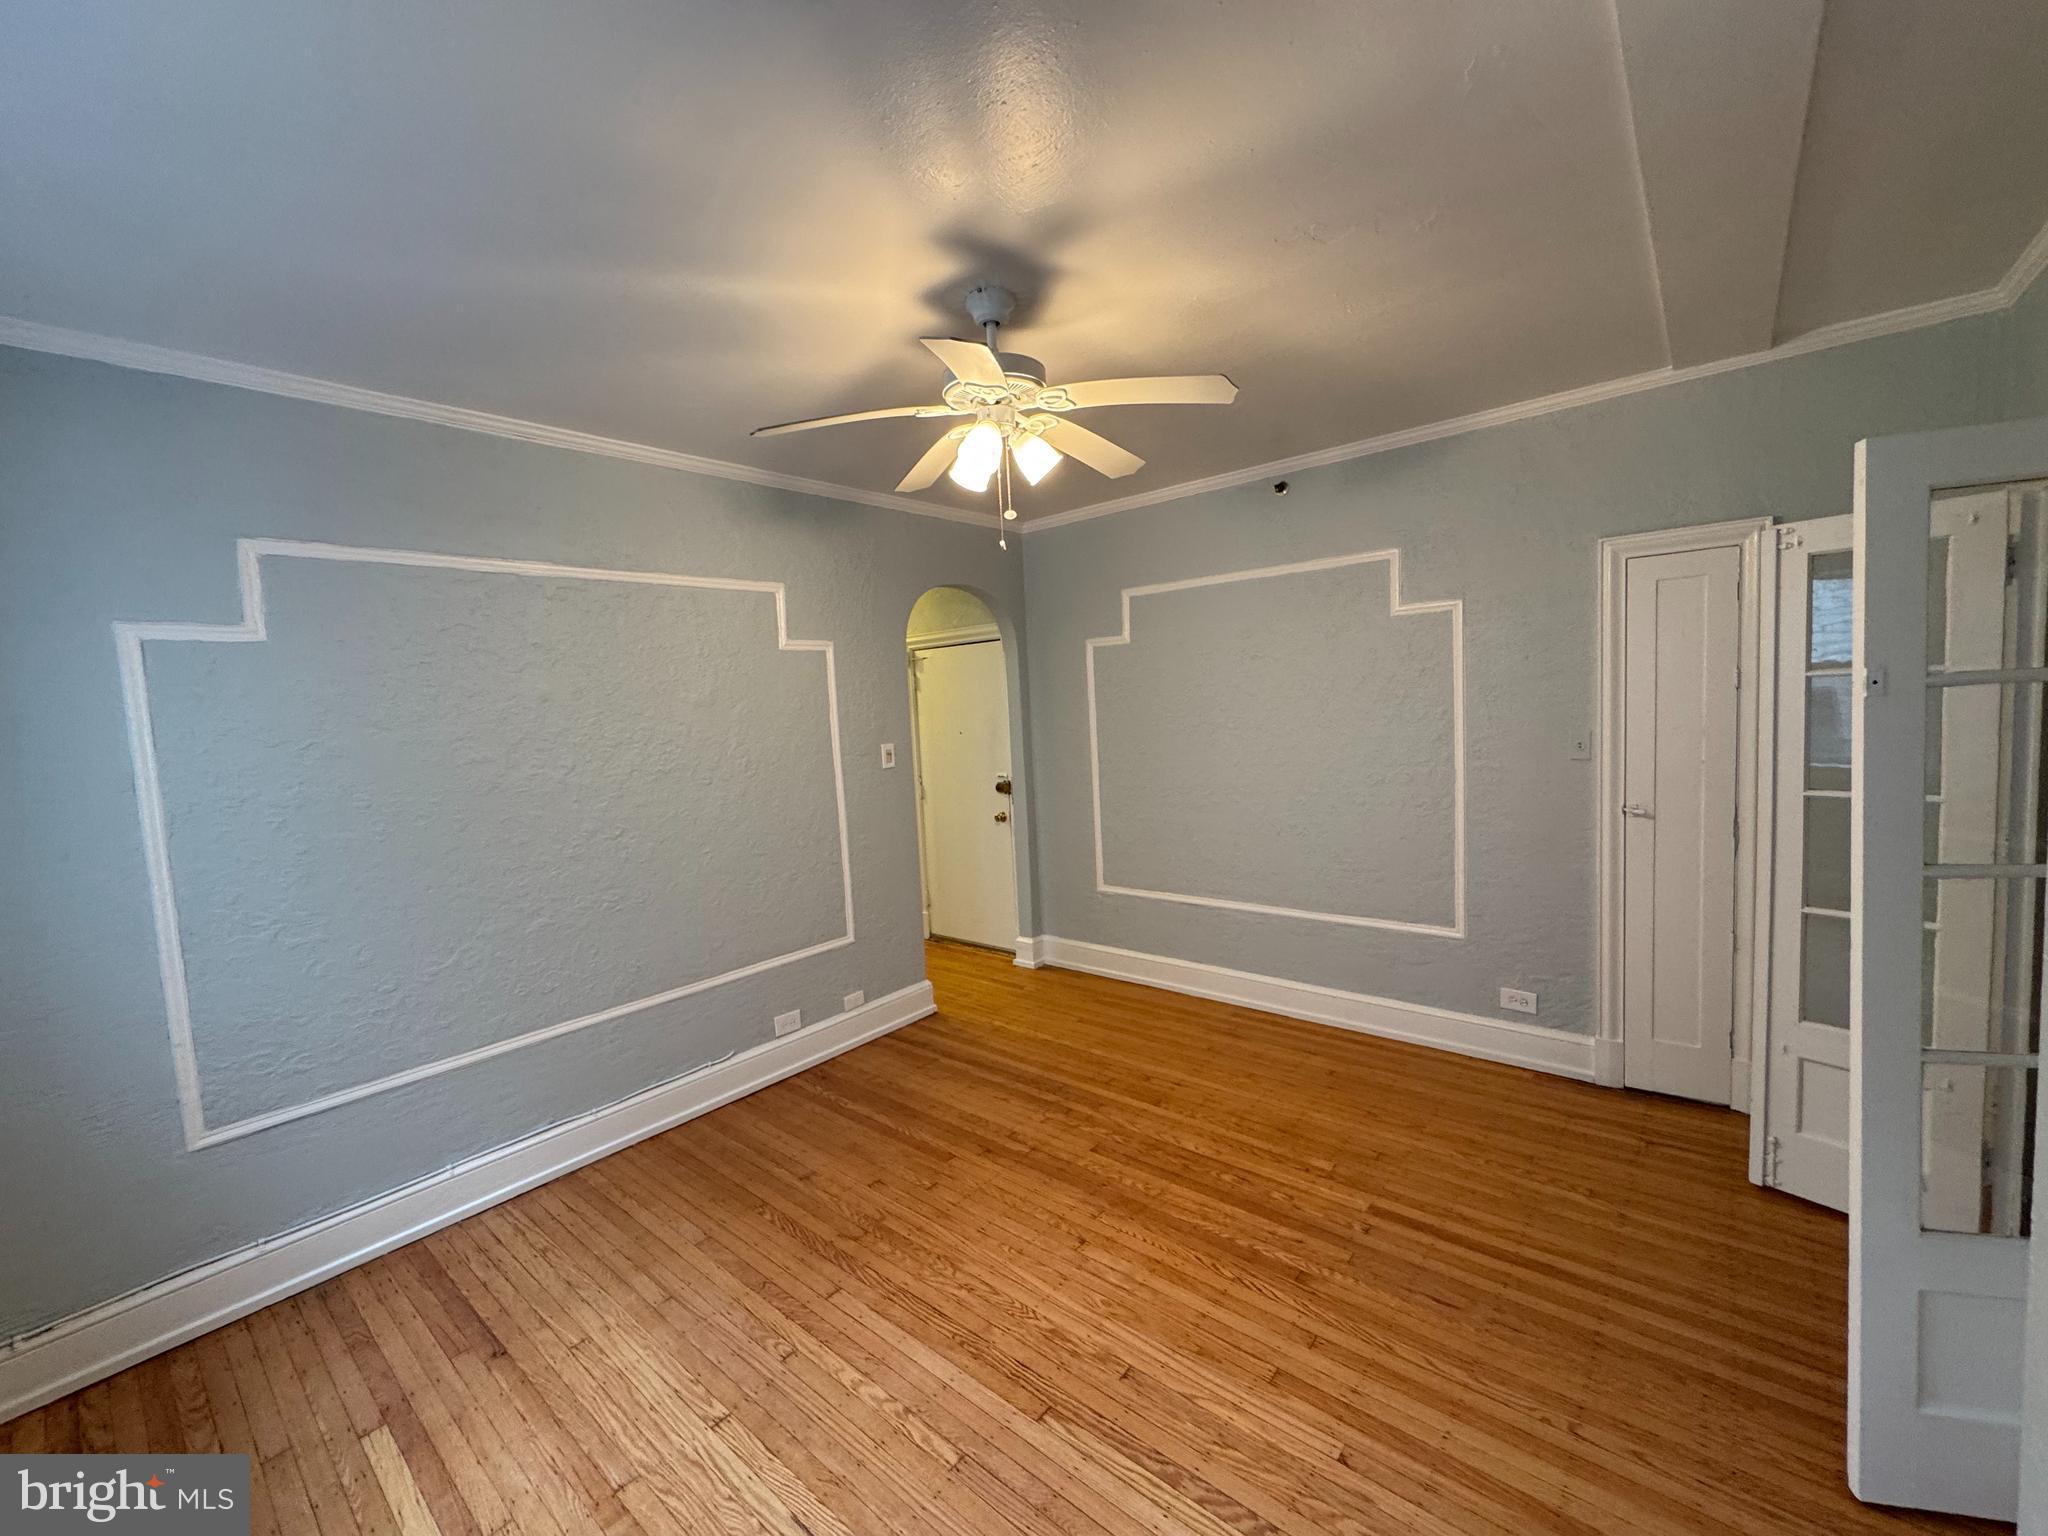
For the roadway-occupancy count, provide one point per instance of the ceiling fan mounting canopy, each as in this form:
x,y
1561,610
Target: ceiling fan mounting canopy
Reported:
x,y
1007,393
990,304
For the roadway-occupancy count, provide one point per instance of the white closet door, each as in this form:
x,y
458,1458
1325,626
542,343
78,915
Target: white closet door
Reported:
x,y
1678,822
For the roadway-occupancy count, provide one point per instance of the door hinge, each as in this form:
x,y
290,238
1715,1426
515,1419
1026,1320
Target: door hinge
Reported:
x,y
1771,1162
1789,538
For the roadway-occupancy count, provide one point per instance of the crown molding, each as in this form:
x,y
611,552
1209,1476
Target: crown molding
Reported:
x,y
2020,277
33,336
2001,296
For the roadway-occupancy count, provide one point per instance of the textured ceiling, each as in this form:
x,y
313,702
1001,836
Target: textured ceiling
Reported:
x,y
671,222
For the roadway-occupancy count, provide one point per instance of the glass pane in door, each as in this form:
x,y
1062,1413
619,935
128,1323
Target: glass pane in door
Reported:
x,y
1826,864
1984,755
1974,1136
1830,608
1980,983
1824,969
1827,731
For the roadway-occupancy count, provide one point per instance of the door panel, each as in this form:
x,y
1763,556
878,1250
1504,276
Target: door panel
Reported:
x,y
1804,1116
1678,822
1948,877
963,748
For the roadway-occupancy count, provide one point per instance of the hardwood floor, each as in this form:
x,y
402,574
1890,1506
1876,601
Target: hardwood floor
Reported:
x,y
1072,1256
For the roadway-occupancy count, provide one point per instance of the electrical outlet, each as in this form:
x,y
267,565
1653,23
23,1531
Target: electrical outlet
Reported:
x,y
789,1023
1581,747
854,1000
888,754
1517,1001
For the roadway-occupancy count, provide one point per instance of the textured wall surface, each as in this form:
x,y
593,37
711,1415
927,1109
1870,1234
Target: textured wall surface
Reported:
x,y
1345,809
944,609
431,810
435,810
2027,344
1506,520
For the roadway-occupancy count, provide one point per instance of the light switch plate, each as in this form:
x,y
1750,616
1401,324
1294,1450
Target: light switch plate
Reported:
x,y
789,1023
888,754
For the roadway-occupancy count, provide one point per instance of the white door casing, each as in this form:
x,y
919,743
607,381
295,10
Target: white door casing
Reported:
x,y
1936,1317
963,749
1680,733
1801,1111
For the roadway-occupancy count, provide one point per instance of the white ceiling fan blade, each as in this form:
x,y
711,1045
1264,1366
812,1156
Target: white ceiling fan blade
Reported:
x,y
833,421
933,464
971,361
1176,389
1098,453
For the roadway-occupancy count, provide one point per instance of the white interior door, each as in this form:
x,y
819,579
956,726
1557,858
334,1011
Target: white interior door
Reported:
x,y
963,753
1949,865
1804,1119
1680,704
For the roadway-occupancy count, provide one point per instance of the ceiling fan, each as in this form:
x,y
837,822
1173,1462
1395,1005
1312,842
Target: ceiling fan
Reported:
x,y
1017,419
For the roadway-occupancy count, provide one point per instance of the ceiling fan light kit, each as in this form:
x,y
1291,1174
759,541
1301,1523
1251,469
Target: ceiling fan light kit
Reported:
x,y
1019,421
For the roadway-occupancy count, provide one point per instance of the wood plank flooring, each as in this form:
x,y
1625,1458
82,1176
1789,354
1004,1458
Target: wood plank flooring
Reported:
x,y
1071,1257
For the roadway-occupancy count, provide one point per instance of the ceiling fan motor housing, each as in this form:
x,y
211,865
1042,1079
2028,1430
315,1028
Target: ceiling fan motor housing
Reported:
x,y
1017,365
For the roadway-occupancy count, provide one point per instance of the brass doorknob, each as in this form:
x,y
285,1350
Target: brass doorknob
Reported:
x,y
1003,785
1002,815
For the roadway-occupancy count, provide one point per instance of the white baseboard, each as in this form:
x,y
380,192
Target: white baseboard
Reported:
x,y
1607,1063
1523,1045
1030,953
96,1343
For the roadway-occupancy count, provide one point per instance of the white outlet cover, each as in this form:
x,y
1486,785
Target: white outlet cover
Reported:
x,y
1517,1001
854,1000
789,1023
888,754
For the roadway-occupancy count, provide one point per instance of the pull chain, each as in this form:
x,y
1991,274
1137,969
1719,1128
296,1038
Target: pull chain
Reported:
x,y
1005,512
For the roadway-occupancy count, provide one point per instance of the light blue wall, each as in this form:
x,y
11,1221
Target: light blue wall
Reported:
x,y
437,808
433,810
2027,344
1343,808
1266,720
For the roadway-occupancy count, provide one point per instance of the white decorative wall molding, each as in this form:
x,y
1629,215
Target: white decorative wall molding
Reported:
x,y
1391,558
96,1343
1557,1051
1030,953
129,638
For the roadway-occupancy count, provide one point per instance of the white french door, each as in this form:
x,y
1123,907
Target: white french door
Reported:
x,y
1803,1118
1948,868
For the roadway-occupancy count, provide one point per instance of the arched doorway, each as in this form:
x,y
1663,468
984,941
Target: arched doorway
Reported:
x,y
961,754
